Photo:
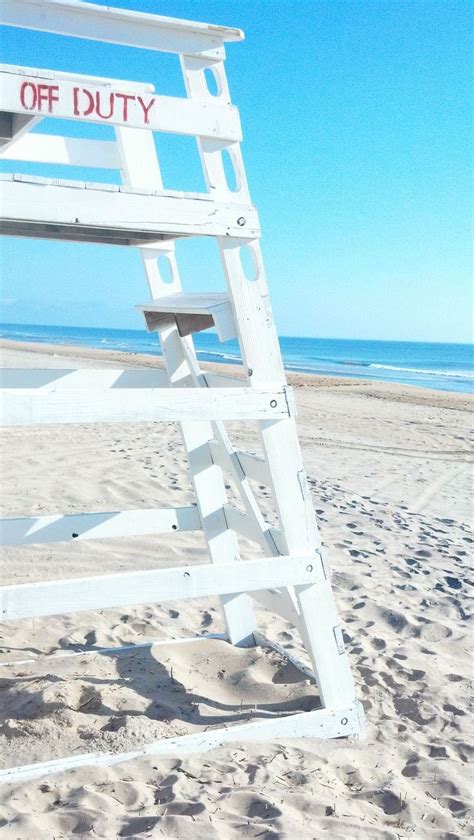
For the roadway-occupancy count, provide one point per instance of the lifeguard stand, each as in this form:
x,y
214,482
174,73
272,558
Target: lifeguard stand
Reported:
x,y
294,578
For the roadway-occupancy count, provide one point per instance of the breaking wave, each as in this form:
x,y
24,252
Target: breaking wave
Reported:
x,y
464,374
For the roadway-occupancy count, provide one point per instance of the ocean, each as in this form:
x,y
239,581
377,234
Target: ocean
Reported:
x,y
444,367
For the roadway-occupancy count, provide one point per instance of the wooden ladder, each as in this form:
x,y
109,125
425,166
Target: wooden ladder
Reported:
x,y
208,447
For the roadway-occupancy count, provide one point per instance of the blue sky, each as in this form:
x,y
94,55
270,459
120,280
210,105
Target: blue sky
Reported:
x,y
356,120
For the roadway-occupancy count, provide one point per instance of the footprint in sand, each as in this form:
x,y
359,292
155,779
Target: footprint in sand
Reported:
x,y
438,752
410,771
408,707
263,810
394,619
453,582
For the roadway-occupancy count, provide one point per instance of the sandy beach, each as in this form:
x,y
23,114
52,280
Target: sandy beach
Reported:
x,y
389,468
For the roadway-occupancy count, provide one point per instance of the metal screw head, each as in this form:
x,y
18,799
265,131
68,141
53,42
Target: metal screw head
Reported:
x,y
273,403
249,372
241,221
187,574
344,721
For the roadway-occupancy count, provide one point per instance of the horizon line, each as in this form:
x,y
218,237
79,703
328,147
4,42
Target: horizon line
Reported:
x,y
309,337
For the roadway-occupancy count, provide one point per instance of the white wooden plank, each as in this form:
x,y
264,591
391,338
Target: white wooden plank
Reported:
x,y
211,150
69,151
299,532
195,303
319,724
102,592
57,96
319,624
118,26
330,662
34,201
25,407
97,526
139,169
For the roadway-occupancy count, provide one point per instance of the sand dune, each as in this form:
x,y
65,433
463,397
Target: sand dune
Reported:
x,y
389,470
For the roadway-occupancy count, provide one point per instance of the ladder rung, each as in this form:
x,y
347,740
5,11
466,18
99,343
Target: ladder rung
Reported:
x,y
192,313
252,466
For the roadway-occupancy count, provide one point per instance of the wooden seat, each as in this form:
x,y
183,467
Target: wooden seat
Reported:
x,y
48,208
192,313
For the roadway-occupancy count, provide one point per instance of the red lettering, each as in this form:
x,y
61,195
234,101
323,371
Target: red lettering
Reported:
x,y
75,99
34,95
53,96
146,108
46,93
111,106
126,97
90,106
42,95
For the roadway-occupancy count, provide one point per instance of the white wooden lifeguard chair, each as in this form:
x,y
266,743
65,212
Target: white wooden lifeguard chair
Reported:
x,y
293,580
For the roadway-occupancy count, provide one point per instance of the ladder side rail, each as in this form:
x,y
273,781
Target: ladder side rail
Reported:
x,y
259,343
261,354
193,70
140,165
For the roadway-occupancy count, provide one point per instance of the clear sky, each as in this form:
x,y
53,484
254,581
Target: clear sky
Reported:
x,y
356,119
